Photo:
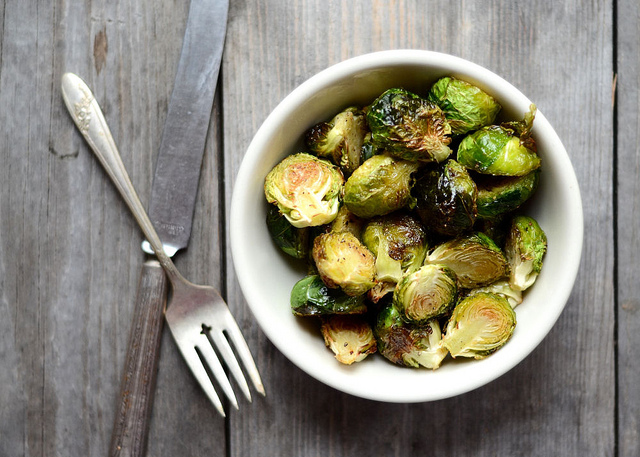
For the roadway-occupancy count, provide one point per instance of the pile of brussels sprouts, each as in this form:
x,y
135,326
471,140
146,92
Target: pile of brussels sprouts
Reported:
x,y
406,214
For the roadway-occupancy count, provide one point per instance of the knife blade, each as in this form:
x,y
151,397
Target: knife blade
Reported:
x,y
171,209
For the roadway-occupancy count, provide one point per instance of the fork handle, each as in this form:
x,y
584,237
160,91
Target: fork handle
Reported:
x,y
131,427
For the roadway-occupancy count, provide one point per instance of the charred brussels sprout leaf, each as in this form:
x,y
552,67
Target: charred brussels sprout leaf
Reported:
x,y
350,338
293,241
501,150
525,247
446,199
398,242
465,106
501,195
406,344
409,127
427,293
379,186
307,190
479,325
344,262
340,139
311,297
476,260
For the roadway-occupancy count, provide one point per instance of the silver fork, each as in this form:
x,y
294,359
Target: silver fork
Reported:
x,y
199,319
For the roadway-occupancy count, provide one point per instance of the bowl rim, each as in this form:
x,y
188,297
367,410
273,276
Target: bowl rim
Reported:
x,y
326,78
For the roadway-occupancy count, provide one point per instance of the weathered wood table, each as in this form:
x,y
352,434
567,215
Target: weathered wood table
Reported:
x,y
70,257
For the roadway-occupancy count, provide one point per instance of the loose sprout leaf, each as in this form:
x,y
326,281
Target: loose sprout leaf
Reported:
x,y
350,338
311,297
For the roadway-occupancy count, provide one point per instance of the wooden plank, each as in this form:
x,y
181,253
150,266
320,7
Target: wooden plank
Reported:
x,y
628,227
560,401
70,250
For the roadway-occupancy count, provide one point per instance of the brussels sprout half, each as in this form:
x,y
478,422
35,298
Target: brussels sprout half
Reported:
x,y
350,338
525,247
406,344
476,260
465,106
446,199
340,139
501,195
409,127
479,325
427,293
306,189
311,297
501,150
398,241
293,241
379,186
343,261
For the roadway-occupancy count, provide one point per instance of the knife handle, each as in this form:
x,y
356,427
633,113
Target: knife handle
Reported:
x,y
131,427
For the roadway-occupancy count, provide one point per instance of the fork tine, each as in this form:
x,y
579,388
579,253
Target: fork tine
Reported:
x,y
242,349
206,350
195,364
222,345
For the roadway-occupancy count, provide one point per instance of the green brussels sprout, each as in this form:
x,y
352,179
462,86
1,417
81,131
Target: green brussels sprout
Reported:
x,y
446,199
380,186
398,241
502,288
465,106
409,127
525,247
311,297
502,150
307,190
426,293
500,195
350,338
340,139
406,344
346,221
476,260
293,241
343,261
479,325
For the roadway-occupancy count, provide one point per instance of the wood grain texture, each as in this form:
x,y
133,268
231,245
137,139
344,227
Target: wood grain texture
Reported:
x,y
628,227
70,252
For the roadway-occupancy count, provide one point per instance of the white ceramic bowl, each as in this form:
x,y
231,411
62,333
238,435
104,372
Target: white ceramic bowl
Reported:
x,y
266,276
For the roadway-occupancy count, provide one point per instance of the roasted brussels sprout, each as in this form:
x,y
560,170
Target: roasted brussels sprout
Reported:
x,y
427,293
346,221
343,261
340,139
476,260
398,241
446,199
291,240
465,106
306,189
409,127
502,288
406,344
525,247
349,337
311,297
479,325
502,150
500,195
379,186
